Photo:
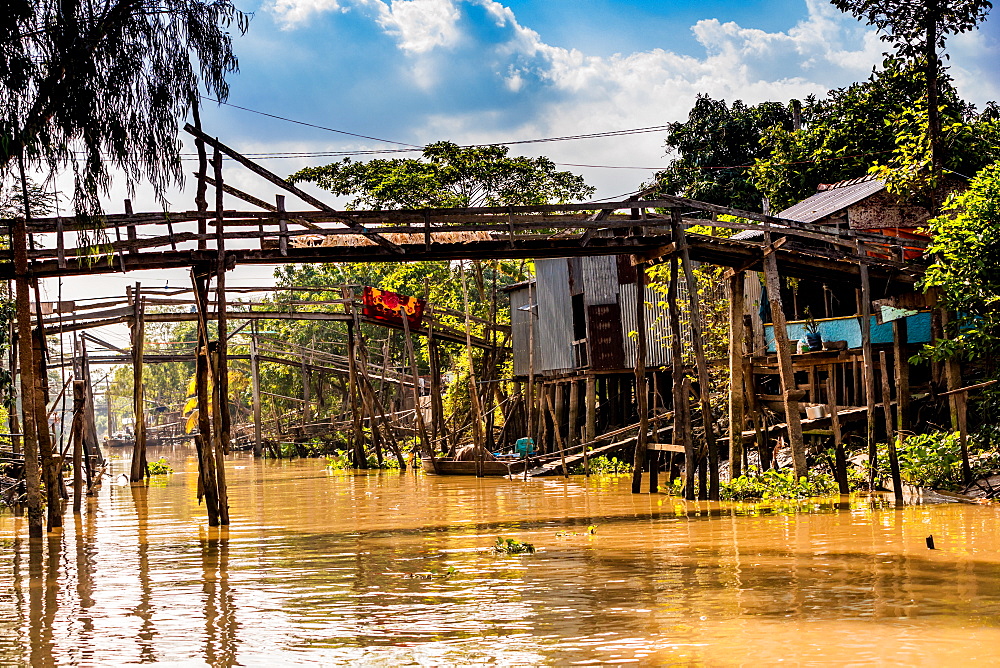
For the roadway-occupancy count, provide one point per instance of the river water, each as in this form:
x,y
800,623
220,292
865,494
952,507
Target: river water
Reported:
x,y
396,569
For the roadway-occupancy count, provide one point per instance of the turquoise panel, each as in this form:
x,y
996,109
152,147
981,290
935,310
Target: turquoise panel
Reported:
x,y
918,330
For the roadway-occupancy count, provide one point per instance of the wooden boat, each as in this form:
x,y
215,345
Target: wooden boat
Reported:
x,y
119,442
492,467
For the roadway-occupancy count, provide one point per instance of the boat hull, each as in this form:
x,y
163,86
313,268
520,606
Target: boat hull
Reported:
x,y
451,467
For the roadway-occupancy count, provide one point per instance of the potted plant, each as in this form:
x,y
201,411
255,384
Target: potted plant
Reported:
x,y
814,340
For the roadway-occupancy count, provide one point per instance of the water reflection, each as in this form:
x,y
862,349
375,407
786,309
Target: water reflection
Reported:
x,y
391,568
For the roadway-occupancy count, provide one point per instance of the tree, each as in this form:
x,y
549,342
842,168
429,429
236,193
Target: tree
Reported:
x,y
448,175
966,248
852,130
715,148
101,85
917,30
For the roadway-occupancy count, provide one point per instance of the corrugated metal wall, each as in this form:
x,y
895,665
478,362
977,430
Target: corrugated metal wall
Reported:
x,y
600,280
753,292
554,336
657,324
520,323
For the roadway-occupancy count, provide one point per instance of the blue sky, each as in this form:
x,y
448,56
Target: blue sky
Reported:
x,y
416,71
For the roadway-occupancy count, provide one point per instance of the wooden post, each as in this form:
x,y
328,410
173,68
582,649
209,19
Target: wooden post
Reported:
x,y
697,337
639,460
840,457
789,391
590,431
51,475
138,327
901,357
203,441
531,401
865,302
573,437
357,438
418,413
14,424
224,428
477,417
897,482
76,436
558,436
559,417
957,401
200,198
737,407
258,443
682,430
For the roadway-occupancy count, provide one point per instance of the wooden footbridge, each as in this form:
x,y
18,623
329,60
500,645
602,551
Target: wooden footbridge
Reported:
x,y
211,241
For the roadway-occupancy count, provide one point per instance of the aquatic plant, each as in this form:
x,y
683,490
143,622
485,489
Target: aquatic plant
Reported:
x,y
771,484
338,461
603,465
935,459
512,546
159,467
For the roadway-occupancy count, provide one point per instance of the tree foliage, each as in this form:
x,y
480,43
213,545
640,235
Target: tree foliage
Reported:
x,y
918,29
715,146
101,85
966,245
448,175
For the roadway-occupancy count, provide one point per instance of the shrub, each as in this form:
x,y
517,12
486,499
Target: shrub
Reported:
x,y
512,546
603,465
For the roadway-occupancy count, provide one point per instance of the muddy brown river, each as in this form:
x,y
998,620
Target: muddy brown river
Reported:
x,y
394,569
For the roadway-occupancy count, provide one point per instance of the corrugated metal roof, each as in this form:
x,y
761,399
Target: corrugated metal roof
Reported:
x,y
833,198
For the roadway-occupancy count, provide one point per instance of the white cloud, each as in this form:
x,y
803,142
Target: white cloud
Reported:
x,y
292,13
420,25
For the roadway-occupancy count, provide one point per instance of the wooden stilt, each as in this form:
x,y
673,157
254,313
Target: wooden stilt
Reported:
x,y
867,369
50,464
76,436
789,391
736,382
902,362
840,457
956,401
203,441
682,424
138,330
639,460
897,482
590,431
573,426
258,442
697,339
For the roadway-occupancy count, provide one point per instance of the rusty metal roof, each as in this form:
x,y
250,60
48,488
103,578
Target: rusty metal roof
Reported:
x,y
832,198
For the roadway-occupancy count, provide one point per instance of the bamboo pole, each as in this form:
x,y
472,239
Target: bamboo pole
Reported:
x,y
558,436
639,459
223,435
956,401
590,430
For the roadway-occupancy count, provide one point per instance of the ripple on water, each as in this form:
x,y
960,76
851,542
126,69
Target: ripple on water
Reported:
x,y
389,569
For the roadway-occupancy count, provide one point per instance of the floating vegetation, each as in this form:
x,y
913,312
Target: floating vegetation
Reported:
x,y
591,530
512,546
603,465
159,467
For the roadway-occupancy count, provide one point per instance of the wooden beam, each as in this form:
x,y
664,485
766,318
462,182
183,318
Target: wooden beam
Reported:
x,y
282,183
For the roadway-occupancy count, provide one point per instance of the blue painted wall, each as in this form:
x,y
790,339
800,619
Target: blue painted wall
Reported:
x,y
918,330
